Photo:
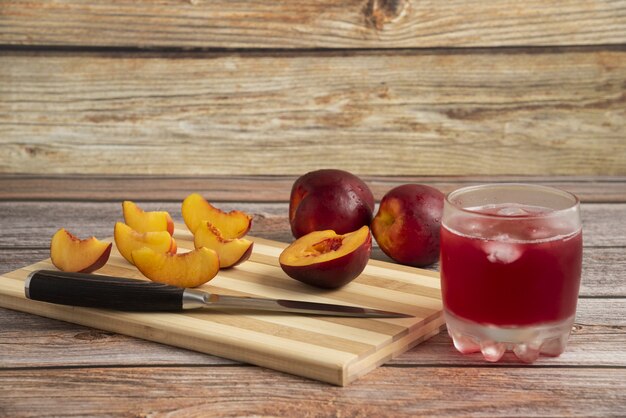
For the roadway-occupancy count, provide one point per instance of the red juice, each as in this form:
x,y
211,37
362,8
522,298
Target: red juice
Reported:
x,y
515,269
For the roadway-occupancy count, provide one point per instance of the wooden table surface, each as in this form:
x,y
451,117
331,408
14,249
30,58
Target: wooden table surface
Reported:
x,y
48,367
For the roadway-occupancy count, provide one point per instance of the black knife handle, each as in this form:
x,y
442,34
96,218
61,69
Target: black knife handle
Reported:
x,y
96,291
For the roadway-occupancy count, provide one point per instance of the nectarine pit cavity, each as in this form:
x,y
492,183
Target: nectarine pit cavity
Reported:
x,y
327,245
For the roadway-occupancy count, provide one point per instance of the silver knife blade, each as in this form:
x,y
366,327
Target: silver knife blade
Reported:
x,y
193,299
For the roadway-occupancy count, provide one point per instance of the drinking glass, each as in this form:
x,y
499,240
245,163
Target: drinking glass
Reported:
x,y
511,258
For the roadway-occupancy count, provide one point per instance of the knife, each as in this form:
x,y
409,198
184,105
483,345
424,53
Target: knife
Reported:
x,y
120,293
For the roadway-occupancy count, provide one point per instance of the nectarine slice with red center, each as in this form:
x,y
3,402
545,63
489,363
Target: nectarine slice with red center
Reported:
x,y
69,253
326,259
142,221
127,240
230,251
234,224
183,270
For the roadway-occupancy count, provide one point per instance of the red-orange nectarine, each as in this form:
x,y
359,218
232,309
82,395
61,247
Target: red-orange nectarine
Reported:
x,y
407,224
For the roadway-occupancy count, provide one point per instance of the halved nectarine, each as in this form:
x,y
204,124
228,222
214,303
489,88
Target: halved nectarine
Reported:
x,y
69,253
230,251
142,221
183,270
234,224
127,240
326,259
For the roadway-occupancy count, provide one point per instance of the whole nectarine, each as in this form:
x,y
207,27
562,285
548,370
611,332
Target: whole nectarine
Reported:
x,y
326,259
329,199
407,224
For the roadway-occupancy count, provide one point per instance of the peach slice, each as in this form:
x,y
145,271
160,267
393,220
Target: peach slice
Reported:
x,y
326,259
69,253
127,240
234,224
183,270
230,251
142,221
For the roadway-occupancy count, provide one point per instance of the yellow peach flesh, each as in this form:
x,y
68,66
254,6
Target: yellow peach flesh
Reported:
x,y
183,270
323,245
127,240
230,251
69,253
195,209
142,221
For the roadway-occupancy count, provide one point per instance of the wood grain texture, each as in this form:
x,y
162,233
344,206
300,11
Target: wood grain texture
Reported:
x,y
246,391
513,112
31,224
30,341
333,350
312,24
43,361
605,189
35,341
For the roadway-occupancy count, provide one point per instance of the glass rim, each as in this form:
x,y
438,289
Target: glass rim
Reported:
x,y
555,190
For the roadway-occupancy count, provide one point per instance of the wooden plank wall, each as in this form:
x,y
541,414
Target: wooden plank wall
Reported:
x,y
378,87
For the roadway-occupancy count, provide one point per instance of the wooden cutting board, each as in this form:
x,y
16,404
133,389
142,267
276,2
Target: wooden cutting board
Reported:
x,y
330,349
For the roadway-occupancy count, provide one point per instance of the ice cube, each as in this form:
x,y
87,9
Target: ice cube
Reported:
x,y
549,228
473,226
539,233
502,252
512,211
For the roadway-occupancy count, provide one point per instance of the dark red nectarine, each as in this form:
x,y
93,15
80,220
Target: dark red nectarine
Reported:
x,y
329,199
